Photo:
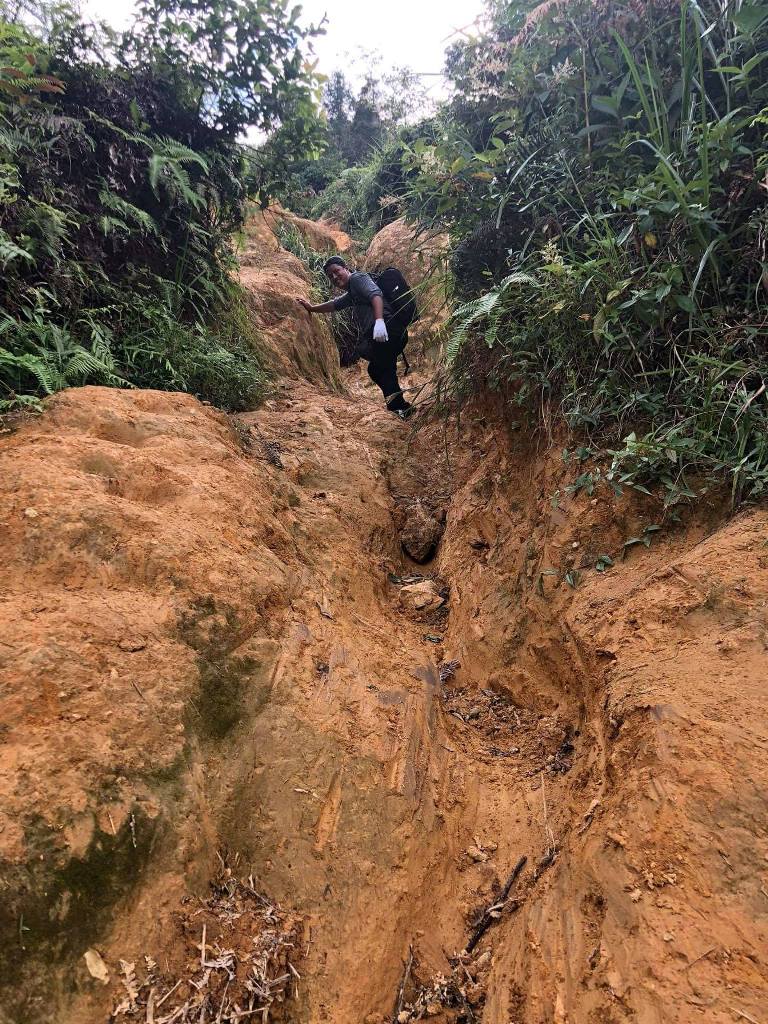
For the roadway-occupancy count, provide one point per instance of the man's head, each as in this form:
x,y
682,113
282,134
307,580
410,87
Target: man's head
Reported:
x,y
337,271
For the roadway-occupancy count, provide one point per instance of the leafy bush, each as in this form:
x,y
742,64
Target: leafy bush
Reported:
x,y
121,185
293,241
345,201
603,175
218,363
365,198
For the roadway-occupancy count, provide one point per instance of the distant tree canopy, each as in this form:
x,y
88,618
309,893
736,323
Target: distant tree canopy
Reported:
x,y
311,149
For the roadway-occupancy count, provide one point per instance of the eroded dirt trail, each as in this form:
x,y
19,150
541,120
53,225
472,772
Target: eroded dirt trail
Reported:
x,y
215,649
364,806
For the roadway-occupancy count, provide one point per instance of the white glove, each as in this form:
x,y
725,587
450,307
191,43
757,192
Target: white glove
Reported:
x,y
380,331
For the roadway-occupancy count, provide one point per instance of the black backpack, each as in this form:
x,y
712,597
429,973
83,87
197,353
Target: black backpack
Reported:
x,y
400,297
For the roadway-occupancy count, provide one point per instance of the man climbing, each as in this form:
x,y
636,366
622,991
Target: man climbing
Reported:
x,y
380,338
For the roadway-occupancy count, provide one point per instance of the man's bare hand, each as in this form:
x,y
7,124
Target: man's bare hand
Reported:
x,y
306,304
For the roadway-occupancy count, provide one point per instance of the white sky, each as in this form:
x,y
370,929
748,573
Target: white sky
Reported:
x,y
411,32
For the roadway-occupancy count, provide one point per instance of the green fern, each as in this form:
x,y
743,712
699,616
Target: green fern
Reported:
x,y
17,367
10,251
112,225
175,151
48,353
175,179
128,212
487,312
133,137
167,166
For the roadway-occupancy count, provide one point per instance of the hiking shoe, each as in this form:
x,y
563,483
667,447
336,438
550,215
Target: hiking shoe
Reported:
x,y
403,414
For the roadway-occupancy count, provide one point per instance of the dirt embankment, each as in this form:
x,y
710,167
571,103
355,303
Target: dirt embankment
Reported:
x,y
422,258
650,675
320,235
213,647
296,345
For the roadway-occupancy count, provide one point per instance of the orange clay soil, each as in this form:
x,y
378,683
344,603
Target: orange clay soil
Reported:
x,y
211,652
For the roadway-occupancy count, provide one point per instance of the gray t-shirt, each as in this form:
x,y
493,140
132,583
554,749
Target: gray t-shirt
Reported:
x,y
360,290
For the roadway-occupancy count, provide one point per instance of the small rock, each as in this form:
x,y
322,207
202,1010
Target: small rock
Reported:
x,y
421,597
132,643
575,545
96,966
477,855
474,994
403,1017
668,936
433,1009
483,959
474,713
616,983
421,534
636,895
31,513
592,808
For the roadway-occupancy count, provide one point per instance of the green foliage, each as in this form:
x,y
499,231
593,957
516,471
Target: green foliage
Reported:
x,y
121,187
364,198
238,62
292,240
218,363
347,200
293,164
37,355
345,161
602,173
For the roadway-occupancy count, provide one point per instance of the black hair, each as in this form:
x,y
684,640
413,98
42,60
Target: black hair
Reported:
x,y
335,261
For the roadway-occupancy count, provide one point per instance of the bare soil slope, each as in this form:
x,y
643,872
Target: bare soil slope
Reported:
x,y
214,650
297,346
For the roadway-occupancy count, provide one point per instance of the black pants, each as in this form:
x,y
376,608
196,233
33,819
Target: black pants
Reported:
x,y
382,368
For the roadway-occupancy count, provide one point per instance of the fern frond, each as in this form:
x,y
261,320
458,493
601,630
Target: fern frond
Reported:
x,y
156,165
110,225
175,178
128,211
175,151
10,251
135,137
487,312
34,366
